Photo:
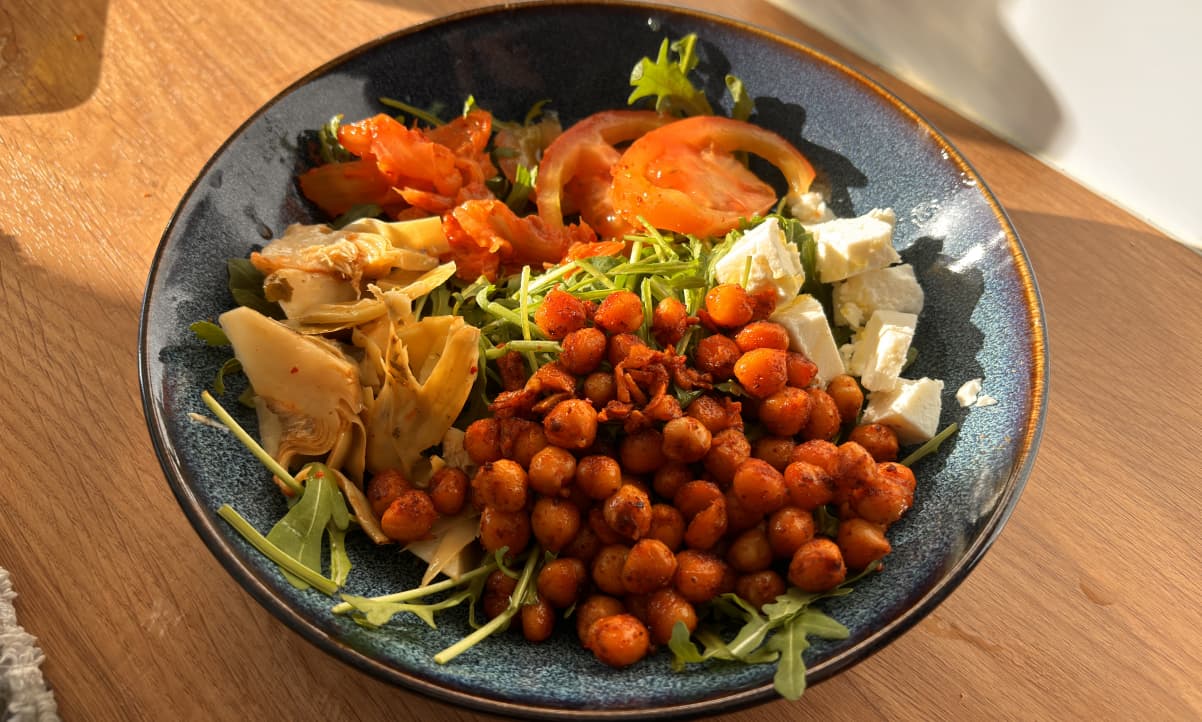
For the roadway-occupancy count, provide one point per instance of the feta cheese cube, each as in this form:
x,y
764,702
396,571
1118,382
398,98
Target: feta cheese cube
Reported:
x,y
810,334
880,353
890,289
968,392
775,263
811,208
847,246
911,409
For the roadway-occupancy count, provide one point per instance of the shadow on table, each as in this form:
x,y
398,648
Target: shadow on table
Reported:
x,y
49,57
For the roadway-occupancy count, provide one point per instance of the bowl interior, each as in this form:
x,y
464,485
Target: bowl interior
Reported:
x,y
982,319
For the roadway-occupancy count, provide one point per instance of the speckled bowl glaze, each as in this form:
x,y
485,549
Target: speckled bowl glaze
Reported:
x,y
982,319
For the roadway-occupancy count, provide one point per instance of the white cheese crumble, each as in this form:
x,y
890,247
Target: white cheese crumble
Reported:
x,y
811,208
967,394
880,353
775,264
911,409
847,246
810,334
889,289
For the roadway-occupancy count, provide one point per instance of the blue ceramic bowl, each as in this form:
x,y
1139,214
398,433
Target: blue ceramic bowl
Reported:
x,y
982,319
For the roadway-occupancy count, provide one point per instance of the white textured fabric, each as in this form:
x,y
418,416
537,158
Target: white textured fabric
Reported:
x,y
23,693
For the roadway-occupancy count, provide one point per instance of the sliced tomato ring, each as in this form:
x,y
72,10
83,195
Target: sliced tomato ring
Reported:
x,y
684,177
583,153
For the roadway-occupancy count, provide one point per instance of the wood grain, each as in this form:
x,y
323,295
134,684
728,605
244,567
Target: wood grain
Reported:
x,y
1086,607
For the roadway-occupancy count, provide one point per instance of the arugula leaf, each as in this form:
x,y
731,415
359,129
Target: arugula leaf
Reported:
x,y
246,286
684,651
377,612
231,366
300,533
340,561
210,333
523,186
790,678
743,104
821,625
932,445
667,80
286,562
826,521
429,116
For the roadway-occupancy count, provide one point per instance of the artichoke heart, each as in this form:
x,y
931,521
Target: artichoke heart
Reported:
x,y
308,393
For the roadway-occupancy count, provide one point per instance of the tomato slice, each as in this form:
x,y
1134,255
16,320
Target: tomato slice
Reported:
x,y
575,170
684,177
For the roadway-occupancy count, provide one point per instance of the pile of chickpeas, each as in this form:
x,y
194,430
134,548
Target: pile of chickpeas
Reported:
x,y
651,509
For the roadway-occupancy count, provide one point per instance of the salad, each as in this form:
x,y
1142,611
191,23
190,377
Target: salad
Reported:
x,y
601,377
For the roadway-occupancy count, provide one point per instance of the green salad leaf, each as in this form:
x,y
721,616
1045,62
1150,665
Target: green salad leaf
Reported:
x,y
666,79
246,286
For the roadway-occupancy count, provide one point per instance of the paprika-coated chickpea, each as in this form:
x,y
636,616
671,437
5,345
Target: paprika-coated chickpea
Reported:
x,y
619,312
669,322
878,439
710,412
607,569
881,500
759,487
619,640
628,511
729,305
559,314
762,372
636,606
572,424
728,450
817,566
800,370
708,526
502,484
848,397
530,440
504,529
762,334
750,551
775,450
538,621
595,607
497,589
598,476
809,486
649,566
551,471
585,545
482,440
739,518
561,581
717,355
448,490
554,523
583,350
605,533
694,496
824,419
643,451
409,517
861,542
669,478
620,346
820,453
788,528
686,439
700,576
667,525
760,588
786,412
599,388
383,488
898,474
666,607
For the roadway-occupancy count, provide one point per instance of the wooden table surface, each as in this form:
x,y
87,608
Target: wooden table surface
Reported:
x,y
1087,606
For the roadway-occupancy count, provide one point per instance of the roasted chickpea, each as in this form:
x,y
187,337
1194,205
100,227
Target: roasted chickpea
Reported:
x,y
762,334
878,439
710,412
881,500
760,588
750,551
620,312
694,496
759,487
824,419
729,305
669,322
501,484
667,525
708,526
497,590
686,439
591,610
482,440
560,314
552,470
717,355
605,533
607,569
448,490
636,606
817,566
572,424
775,450
788,528
649,566
700,576
586,545
554,522
583,350
561,581
599,388
511,365
785,412
538,621
504,529
820,453
628,511
800,370
848,397
809,486
898,474
528,441
409,517
666,607
861,542
856,466
643,451
383,488
669,478
619,640
762,372
728,450
620,347
598,476
738,518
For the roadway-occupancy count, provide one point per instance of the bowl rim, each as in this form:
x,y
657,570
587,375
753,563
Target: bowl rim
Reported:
x,y
204,522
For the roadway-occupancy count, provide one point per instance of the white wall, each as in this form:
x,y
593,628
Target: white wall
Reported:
x,y
1110,92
